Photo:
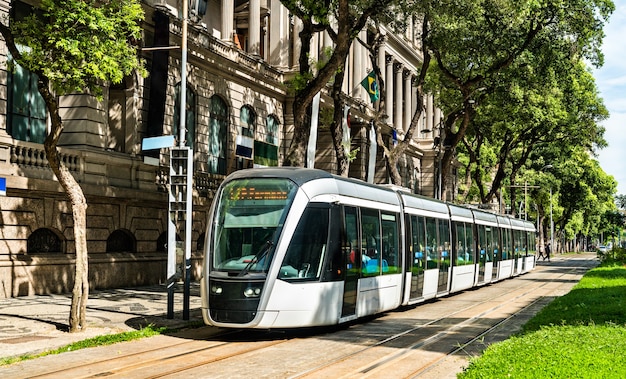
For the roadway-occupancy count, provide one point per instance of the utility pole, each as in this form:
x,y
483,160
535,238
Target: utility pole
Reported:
x,y
181,189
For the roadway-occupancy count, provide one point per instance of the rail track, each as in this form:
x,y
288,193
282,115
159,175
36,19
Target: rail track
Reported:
x,y
430,340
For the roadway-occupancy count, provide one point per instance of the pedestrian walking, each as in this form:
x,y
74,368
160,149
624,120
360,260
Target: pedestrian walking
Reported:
x,y
540,250
547,253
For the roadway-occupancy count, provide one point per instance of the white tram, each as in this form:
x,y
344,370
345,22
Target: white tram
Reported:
x,y
292,247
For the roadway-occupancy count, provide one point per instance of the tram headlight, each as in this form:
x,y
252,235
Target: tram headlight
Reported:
x,y
252,292
216,290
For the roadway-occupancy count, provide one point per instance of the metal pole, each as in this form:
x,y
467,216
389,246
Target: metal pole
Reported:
x,y
183,134
551,224
525,200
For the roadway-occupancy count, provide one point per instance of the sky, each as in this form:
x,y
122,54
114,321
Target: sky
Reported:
x,y
611,82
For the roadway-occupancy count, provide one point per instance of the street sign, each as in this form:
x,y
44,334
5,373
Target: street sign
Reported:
x,y
153,143
3,186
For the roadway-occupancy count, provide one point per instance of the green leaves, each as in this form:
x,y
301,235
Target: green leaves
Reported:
x,y
79,45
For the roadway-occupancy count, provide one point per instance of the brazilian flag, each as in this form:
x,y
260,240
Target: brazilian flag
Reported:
x,y
371,86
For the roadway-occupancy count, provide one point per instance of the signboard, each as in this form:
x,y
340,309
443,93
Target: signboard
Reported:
x,y
153,143
3,186
245,147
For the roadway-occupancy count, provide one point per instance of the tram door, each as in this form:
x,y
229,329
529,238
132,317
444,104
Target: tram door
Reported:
x,y
417,255
497,255
482,252
352,252
445,255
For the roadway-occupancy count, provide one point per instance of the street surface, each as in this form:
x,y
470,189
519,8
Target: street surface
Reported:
x,y
431,340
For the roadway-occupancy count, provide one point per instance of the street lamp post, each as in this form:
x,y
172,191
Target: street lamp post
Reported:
x,y
549,167
551,223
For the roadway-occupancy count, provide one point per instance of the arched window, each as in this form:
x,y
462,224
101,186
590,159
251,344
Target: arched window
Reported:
x,y
162,242
245,137
266,150
120,241
190,121
44,240
218,136
247,121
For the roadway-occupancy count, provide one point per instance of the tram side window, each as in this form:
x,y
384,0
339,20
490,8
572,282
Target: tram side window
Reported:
x,y
523,248
506,243
304,257
464,253
432,257
496,242
483,249
370,234
350,243
532,243
517,243
416,263
460,247
391,256
491,244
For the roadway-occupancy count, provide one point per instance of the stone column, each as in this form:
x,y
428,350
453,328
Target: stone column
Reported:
x,y
254,27
381,65
228,23
297,28
429,112
397,117
408,99
389,91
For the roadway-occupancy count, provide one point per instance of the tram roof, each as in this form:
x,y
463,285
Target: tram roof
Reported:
x,y
424,203
461,213
485,218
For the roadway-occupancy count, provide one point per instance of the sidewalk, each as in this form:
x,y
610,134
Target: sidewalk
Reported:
x,y
33,324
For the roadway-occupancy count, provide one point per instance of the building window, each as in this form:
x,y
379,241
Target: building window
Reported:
x,y
44,241
120,241
266,151
247,121
190,121
271,124
26,108
245,137
218,136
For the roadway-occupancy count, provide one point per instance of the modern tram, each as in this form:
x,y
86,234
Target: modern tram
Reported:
x,y
296,247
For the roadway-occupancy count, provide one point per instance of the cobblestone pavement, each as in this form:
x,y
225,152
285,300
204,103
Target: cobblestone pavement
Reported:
x,y
33,324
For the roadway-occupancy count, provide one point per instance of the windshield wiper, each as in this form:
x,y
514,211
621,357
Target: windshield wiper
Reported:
x,y
257,257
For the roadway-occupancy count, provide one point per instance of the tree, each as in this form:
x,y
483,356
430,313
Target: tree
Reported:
x,y
75,46
474,42
538,111
342,20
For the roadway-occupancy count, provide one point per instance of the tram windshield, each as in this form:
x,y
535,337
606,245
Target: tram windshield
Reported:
x,y
248,221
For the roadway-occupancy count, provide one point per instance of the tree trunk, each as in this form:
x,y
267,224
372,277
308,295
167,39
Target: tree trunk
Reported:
x,y
71,187
336,127
78,204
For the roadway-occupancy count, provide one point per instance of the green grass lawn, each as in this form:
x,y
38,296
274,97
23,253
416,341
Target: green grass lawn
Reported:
x,y
579,335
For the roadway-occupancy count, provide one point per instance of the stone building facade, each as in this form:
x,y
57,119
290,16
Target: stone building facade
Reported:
x,y
238,115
